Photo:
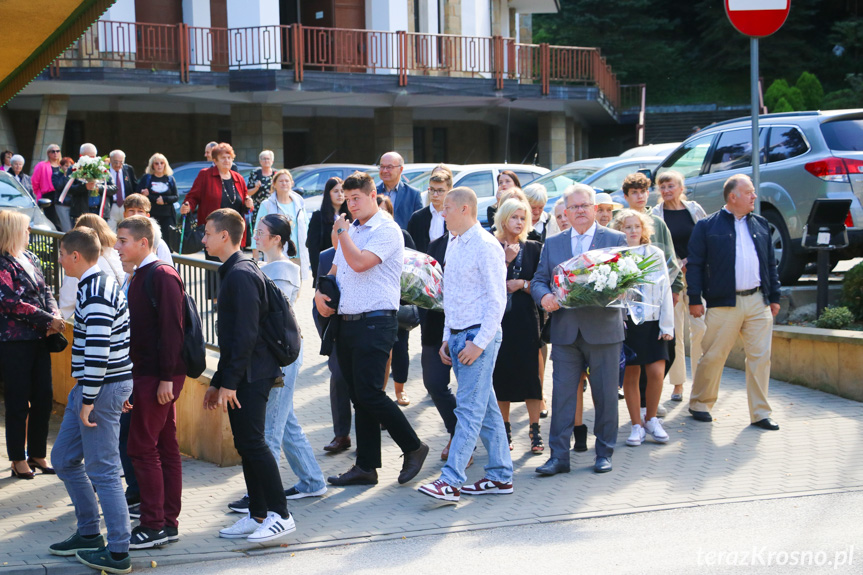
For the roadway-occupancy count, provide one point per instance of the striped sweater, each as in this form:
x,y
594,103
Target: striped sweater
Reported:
x,y
100,346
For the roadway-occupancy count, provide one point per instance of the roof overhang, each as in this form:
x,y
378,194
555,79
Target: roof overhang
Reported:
x,y
34,33
535,6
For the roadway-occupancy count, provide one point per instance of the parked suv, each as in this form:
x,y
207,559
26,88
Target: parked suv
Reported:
x,y
803,156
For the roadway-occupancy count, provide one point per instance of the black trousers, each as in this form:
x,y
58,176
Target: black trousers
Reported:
x,y
436,378
363,350
133,492
340,397
401,357
165,223
260,470
26,370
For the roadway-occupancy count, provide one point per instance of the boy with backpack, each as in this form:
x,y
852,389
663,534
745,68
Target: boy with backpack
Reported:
x,y
247,370
159,372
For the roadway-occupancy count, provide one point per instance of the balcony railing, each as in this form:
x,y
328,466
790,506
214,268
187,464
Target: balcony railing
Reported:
x,y
187,49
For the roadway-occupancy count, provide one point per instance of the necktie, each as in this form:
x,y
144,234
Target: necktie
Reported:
x,y
581,238
118,180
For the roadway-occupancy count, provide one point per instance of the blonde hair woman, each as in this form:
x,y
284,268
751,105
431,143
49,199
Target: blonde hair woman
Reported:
x,y
29,315
680,215
516,371
109,261
287,202
158,185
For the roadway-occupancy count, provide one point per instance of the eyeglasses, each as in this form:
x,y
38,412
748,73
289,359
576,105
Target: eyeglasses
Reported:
x,y
53,151
579,207
436,192
389,168
259,233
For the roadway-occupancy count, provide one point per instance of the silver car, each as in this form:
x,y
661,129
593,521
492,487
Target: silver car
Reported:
x,y
803,156
13,196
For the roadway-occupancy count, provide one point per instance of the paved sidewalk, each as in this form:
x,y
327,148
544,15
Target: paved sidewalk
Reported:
x,y
819,449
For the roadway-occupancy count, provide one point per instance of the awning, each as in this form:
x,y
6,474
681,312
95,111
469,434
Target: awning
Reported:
x,y
34,33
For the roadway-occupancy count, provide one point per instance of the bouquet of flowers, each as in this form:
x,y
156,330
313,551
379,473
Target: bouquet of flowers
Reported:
x,y
91,169
606,277
422,281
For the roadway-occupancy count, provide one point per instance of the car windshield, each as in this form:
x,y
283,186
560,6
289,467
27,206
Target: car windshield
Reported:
x,y
185,177
556,182
843,135
12,195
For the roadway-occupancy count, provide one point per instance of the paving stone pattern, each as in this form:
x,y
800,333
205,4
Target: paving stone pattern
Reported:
x,y
818,449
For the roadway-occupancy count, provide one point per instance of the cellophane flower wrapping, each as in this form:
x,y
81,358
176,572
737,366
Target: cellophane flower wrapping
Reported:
x,y
92,170
422,281
608,277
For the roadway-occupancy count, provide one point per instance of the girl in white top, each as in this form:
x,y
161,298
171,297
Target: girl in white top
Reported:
x,y
109,262
288,203
649,328
282,431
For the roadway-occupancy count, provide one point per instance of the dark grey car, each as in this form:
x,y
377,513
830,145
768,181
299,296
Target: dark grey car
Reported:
x,y
803,156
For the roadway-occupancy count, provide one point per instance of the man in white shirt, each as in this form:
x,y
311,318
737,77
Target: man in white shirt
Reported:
x,y
368,265
474,303
732,264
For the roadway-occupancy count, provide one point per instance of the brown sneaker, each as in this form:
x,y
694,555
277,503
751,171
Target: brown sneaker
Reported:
x,y
486,486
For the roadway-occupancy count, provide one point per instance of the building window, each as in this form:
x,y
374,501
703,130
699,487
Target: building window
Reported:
x,y
419,144
439,145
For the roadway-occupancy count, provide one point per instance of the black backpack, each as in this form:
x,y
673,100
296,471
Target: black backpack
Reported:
x,y
280,330
194,346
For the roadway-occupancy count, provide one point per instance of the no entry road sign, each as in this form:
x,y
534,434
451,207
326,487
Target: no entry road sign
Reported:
x,y
757,18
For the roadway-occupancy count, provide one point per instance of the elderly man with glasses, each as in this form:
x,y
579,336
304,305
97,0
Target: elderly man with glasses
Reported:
x,y
406,199
584,336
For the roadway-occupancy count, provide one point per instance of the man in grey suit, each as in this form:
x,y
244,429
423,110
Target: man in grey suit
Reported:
x,y
579,337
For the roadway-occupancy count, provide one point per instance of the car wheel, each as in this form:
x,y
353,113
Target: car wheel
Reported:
x,y
790,265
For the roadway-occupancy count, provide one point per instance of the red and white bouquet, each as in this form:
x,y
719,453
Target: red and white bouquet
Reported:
x,y
607,277
422,281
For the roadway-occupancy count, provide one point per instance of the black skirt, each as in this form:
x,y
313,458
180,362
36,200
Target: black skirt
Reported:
x,y
644,342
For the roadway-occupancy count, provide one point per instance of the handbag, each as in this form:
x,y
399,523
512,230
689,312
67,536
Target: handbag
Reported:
x,y
516,271
56,342
408,317
190,237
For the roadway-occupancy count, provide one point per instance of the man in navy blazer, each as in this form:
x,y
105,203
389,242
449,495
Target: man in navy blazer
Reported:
x,y
584,336
406,199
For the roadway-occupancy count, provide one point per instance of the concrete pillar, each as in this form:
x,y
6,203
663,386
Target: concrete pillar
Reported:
x,y
452,17
52,127
257,127
475,18
394,131
387,15
552,139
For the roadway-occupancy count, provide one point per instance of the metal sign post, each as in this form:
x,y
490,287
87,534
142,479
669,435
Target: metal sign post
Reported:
x,y
756,108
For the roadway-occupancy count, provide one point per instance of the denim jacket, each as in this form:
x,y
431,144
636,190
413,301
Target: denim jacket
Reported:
x,y
710,270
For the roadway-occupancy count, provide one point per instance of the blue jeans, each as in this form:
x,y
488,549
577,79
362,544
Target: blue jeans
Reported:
x,y
477,414
283,432
98,447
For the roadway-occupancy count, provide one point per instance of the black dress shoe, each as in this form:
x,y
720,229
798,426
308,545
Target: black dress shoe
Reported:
x,y
701,416
338,444
767,423
553,467
413,463
602,465
355,476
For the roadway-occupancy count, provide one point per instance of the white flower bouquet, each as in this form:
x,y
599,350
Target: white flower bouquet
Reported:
x,y
91,169
422,281
606,277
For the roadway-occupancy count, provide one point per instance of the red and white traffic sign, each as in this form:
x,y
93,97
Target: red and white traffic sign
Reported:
x,y
757,18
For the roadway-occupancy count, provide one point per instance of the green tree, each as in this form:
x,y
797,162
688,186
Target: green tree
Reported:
x,y
811,89
781,106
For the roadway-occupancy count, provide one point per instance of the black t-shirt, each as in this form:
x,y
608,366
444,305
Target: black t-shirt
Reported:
x,y
680,225
230,196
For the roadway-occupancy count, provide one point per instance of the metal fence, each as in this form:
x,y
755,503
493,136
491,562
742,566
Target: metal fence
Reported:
x,y
200,277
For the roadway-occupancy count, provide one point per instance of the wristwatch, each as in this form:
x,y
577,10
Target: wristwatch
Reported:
x,y
339,231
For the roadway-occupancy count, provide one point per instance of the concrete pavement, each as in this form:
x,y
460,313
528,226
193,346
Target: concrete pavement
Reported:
x,y
818,450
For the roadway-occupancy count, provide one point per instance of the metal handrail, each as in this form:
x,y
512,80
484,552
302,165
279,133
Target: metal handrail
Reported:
x,y
200,277
200,49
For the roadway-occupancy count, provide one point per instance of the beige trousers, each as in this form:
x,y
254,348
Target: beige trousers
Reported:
x,y
677,373
753,322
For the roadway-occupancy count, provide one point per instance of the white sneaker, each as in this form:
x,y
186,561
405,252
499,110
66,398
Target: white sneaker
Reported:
x,y
273,527
242,528
654,428
661,411
636,437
